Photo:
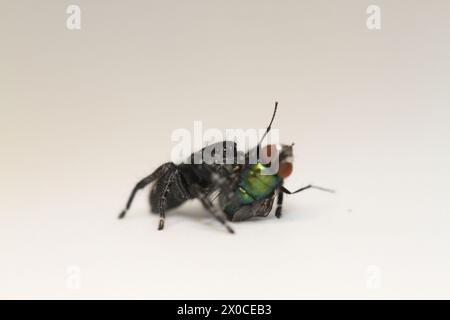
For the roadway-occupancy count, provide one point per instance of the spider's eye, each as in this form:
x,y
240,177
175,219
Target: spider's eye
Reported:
x,y
285,169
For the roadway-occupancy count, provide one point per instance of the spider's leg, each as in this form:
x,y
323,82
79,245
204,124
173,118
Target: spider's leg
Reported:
x,y
158,173
163,198
209,206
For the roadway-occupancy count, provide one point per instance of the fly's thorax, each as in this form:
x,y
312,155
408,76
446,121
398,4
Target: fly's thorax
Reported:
x,y
254,184
257,181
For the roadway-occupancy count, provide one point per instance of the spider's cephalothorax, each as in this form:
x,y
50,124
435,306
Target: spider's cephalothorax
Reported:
x,y
245,189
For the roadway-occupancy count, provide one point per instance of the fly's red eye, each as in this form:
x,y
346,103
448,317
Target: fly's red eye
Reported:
x,y
285,169
269,153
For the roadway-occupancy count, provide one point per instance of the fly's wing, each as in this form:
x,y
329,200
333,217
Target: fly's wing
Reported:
x,y
243,213
258,208
265,206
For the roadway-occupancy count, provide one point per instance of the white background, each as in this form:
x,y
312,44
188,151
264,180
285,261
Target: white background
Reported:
x,y
85,114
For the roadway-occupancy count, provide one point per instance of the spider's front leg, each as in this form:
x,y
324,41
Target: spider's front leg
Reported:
x,y
209,206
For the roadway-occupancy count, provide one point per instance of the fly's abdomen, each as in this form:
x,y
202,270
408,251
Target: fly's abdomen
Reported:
x,y
253,185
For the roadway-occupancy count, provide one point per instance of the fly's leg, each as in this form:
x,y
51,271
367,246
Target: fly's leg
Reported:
x,y
310,186
279,204
282,190
269,127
